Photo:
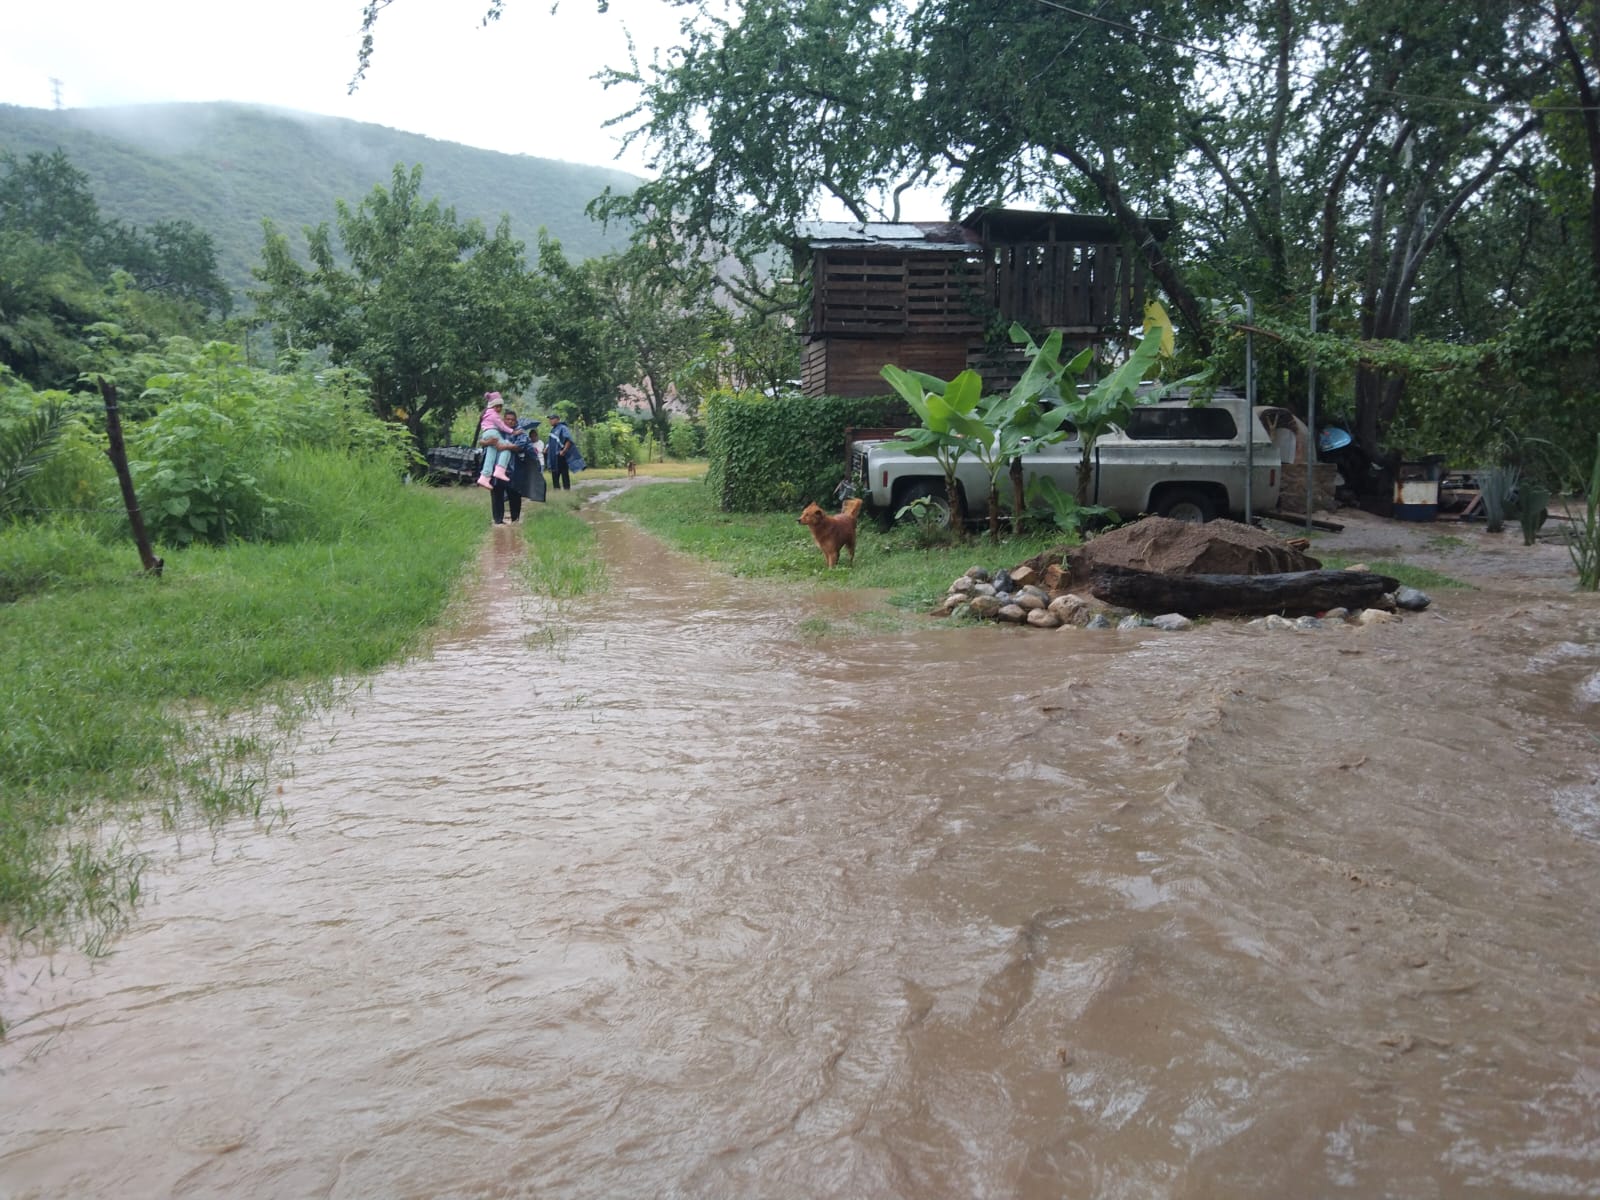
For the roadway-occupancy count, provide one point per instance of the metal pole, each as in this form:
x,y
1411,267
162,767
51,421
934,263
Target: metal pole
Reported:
x,y
1249,405
1311,412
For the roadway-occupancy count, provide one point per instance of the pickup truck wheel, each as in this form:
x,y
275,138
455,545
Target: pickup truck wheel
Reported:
x,y
938,498
1187,504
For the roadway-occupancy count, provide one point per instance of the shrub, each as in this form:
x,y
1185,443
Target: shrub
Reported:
x,y
222,426
777,452
610,443
683,439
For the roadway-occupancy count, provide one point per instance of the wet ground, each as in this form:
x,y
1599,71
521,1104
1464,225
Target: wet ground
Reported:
x,y
674,901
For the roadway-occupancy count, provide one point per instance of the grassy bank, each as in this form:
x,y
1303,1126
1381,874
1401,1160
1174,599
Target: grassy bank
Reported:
x,y
777,546
117,687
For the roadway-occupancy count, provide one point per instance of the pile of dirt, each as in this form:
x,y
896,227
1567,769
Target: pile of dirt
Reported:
x,y
1180,548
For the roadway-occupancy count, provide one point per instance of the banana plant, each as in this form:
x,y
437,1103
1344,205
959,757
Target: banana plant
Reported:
x,y
1109,401
950,429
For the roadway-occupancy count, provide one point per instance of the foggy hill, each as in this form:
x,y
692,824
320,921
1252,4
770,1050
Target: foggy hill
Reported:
x,y
226,166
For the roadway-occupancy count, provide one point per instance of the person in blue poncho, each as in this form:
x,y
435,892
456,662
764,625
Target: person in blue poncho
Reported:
x,y
561,454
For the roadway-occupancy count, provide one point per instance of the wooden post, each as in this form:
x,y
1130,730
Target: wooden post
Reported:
x,y
118,454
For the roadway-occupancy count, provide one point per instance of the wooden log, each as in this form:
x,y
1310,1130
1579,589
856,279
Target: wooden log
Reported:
x,y
1292,594
118,454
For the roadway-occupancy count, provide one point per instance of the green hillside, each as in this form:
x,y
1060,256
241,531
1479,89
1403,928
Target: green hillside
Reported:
x,y
227,166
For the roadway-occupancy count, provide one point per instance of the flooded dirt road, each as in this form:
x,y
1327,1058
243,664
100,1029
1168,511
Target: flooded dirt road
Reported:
x,y
661,898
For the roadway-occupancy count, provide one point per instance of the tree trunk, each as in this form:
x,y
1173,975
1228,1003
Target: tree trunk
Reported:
x,y
1293,593
1017,500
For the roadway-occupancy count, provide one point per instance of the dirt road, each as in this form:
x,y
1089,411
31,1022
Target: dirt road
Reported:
x,y
671,900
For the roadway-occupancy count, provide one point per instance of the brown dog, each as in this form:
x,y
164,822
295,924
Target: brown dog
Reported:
x,y
833,534
632,470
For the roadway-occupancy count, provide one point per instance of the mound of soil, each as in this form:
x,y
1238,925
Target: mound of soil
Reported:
x,y
1180,548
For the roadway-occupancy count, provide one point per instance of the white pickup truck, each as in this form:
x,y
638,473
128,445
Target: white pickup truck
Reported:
x,y
1173,459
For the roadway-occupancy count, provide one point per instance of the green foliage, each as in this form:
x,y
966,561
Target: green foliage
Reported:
x,y
684,440
214,435
610,443
783,452
26,448
562,562
78,475
1066,514
1496,485
929,524
1531,512
69,551
647,318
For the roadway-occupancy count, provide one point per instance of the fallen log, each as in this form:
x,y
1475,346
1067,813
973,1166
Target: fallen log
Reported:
x,y
1292,594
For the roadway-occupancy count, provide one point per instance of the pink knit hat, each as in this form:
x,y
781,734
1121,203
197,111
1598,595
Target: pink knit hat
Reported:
x,y
493,399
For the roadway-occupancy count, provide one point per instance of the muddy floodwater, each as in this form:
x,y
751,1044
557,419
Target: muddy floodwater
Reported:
x,y
666,896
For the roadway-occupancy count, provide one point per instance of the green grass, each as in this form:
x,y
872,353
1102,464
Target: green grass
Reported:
x,y
777,546
1418,577
125,696
562,562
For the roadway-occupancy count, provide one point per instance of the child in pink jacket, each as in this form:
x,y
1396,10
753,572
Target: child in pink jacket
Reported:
x,y
495,436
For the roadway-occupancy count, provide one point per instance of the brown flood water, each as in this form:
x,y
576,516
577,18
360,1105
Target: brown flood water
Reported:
x,y
679,903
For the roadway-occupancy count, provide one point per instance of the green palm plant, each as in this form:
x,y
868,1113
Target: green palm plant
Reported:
x,y
26,447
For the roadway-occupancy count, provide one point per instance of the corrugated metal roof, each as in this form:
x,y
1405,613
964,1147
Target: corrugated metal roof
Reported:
x,y
940,236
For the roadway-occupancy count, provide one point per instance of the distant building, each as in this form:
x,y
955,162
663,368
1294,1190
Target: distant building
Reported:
x,y
939,296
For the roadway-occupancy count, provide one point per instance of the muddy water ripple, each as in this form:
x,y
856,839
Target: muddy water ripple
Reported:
x,y
657,897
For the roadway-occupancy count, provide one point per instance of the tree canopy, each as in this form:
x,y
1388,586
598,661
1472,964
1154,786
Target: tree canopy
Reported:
x,y
65,270
432,311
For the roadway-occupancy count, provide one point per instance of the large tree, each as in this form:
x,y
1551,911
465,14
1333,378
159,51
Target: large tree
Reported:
x,y
647,318
433,312
1305,145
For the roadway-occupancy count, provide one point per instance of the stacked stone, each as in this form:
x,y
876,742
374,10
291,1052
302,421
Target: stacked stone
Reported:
x,y
1017,597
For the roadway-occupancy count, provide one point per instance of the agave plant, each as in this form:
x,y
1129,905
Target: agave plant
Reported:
x,y
25,448
1585,544
1496,485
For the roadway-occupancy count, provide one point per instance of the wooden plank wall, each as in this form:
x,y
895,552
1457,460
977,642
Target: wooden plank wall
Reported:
x,y
852,366
858,292
888,292
814,367
1063,285
942,293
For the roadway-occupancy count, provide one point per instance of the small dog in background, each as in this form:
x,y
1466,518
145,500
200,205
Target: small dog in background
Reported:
x,y
833,534
632,470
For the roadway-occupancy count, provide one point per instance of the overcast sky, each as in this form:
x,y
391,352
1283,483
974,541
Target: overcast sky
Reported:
x,y
520,85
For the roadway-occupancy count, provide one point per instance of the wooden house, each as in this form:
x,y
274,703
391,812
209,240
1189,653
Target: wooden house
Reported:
x,y
939,297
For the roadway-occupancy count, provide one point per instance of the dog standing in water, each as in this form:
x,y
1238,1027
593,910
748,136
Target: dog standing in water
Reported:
x,y
833,534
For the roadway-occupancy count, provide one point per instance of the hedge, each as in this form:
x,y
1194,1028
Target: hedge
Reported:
x,y
773,453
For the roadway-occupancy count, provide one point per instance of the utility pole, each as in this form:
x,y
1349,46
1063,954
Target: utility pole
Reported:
x,y
55,90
